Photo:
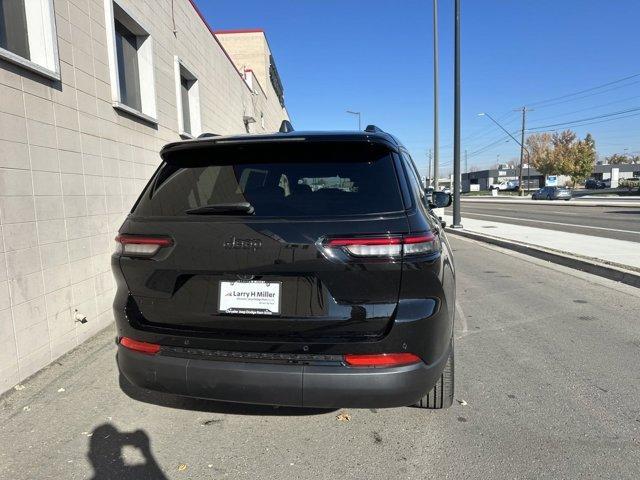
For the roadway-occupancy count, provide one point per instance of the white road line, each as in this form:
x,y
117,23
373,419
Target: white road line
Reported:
x,y
554,223
563,213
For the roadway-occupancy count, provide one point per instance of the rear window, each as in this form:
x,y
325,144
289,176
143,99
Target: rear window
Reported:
x,y
278,180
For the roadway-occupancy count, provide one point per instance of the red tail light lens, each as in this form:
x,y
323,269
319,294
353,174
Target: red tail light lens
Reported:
x,y
380,360
141,347
140,246
385,246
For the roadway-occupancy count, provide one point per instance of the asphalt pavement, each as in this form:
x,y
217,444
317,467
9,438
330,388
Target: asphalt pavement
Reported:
x,y
547,386
619,222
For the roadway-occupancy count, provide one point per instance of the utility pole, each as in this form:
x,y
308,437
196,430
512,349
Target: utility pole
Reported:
x,y
520,186
429,174
436,94
456,123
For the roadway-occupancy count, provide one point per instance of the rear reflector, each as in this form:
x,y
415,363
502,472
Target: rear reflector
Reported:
x,y
381,359
142,347
385,246
139,246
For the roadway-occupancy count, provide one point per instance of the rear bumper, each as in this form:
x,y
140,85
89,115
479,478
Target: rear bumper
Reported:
x,y
298,385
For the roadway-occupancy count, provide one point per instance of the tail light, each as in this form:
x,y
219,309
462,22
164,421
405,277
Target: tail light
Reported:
x,y
379,360
140,246
141,347
385,246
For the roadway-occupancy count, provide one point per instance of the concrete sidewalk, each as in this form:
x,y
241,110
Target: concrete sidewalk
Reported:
x,y
618,253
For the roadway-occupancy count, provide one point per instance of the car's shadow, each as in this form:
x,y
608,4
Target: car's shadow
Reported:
x,y
211,406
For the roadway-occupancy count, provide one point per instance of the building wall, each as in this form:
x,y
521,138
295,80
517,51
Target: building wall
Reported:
x,y
250,51
71,165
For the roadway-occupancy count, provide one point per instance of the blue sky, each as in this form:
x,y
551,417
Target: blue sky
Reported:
x,y
375,56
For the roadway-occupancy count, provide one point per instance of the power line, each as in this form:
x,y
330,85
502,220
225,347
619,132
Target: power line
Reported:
x,y
484,131
490,145
591,89
593,107
611,114
596,122
589,95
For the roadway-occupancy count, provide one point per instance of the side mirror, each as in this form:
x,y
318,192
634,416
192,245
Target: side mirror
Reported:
x,y
440,200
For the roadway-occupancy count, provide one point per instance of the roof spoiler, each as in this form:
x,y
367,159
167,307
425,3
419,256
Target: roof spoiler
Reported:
x,y
286,127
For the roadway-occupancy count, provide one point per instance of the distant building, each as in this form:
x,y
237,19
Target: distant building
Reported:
x,y
534,179
625,170
485,178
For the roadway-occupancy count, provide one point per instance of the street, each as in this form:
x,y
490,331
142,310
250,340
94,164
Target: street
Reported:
x,y
619,222
547,386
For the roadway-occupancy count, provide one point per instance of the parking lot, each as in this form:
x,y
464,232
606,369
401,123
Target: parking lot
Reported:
x,y
547,387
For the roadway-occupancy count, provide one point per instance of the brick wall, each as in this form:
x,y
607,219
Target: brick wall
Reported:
x,y
71,165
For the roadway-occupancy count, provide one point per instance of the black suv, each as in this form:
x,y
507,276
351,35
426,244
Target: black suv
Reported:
x,y
297,268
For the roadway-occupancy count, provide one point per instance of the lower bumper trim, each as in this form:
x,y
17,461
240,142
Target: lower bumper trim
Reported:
x,y
330,386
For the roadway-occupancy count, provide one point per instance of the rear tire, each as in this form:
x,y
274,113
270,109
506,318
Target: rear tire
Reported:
x,y
441,395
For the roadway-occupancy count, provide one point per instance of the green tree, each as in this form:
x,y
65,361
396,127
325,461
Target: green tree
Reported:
x,y
541,156
562,153
583,159
619,159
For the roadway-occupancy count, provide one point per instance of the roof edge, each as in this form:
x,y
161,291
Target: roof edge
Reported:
x,y
240,30
213,34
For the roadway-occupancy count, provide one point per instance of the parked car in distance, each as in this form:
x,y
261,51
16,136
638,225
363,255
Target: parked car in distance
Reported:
x,y
597,184
513,185
499,186
301,269
552,193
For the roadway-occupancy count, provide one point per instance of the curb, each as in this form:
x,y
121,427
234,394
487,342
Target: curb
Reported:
x,y
559,203
595,268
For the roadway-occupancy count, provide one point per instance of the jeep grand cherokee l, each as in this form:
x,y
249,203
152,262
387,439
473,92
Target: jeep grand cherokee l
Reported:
x,y
298,268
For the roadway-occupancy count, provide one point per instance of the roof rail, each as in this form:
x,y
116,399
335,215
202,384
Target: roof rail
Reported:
x,y
207,135
373,129
286,127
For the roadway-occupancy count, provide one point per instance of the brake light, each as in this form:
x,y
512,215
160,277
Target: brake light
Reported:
x,y
381,360
385,246
420,244
140,246
141,347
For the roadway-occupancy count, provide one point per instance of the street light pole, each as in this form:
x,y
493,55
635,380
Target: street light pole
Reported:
x,y
456,123
359,114
436,95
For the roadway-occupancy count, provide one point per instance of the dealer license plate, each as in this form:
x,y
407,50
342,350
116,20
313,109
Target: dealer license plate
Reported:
x,y
253,298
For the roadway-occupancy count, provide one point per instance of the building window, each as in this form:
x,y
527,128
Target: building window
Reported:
x,y
187,101
28,36
130,50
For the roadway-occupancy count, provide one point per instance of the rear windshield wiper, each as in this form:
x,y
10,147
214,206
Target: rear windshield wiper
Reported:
x,y
223,209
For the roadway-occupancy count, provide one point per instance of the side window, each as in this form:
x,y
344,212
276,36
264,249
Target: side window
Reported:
x,y
414,179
